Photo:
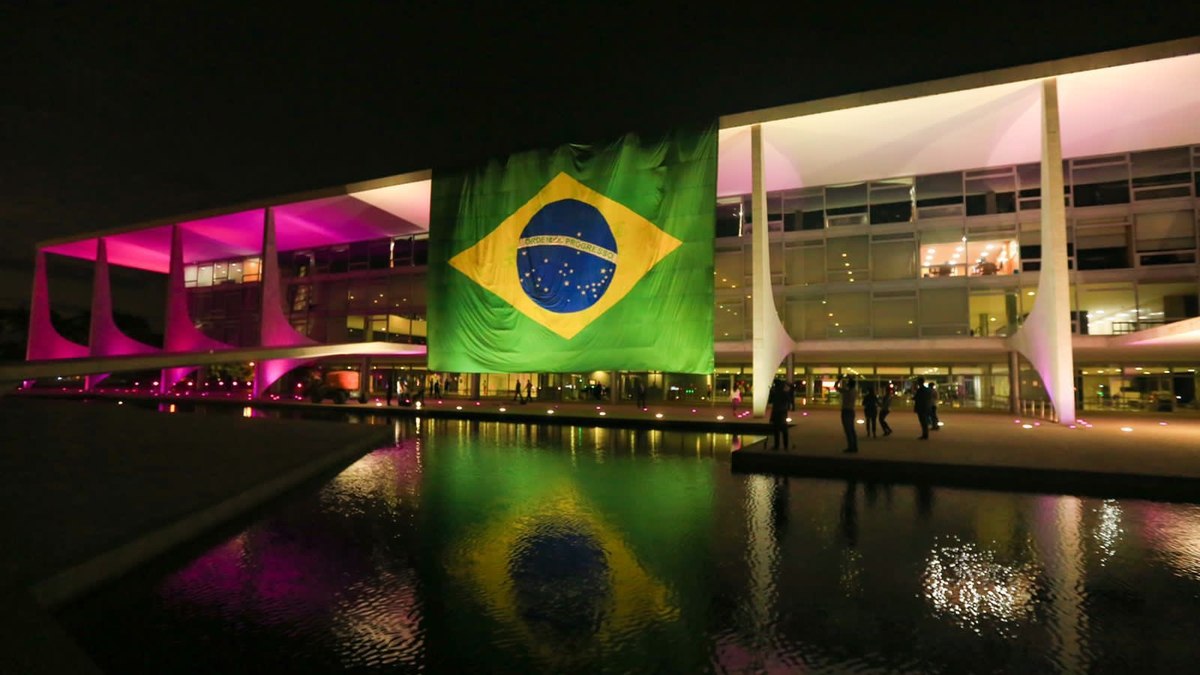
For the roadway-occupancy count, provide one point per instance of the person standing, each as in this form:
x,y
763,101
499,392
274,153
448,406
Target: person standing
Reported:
x,y
777,399
934,423
921,406
391,387
639,390
885,407
849,394
871,412
529,390
437,387
517,391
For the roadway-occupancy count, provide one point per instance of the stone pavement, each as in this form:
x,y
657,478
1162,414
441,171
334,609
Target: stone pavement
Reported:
x,y
1142,454
90,491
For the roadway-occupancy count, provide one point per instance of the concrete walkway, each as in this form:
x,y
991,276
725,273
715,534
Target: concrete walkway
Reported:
x,y
89,492
1145,455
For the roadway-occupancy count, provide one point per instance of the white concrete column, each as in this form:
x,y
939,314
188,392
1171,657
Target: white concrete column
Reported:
x,y
1045,337
771,342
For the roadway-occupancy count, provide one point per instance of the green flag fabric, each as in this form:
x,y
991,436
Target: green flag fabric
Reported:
x,y
580,258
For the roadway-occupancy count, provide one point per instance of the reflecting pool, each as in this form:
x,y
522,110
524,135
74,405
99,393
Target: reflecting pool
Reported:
x,y
468,547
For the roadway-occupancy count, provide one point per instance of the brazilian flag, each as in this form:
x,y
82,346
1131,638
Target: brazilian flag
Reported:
x,y
576,259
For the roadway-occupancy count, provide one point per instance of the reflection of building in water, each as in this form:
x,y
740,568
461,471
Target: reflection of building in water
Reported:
x,y
967,584
1175,532
1108,531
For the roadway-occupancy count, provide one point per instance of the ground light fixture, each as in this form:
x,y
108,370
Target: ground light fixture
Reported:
x,y
658,416
720,418
1126,429
504,410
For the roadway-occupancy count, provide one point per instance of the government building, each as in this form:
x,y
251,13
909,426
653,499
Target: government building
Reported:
x,y
1025,238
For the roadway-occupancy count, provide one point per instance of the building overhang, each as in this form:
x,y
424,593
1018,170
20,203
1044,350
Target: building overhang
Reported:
x,y
1124,100
392,207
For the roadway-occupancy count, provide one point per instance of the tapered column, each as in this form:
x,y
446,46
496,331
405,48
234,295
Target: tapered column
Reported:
x,y
274,328
44,340
180,333
771,343
1045,337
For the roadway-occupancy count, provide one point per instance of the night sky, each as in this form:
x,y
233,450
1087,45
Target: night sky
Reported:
x,y
110,116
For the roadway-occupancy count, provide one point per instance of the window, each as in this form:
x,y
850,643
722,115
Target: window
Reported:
x,y
940,195
994,312
1169,231
847,258
1102,244
846,204
805,262
252,270
992,251
1107,309
1168,302
729,217
729,321
204,275
189,276
943,253
943,312
892,200
804,209
991,191
1160,174
851,315
728,268
1100,180
893,256
894,314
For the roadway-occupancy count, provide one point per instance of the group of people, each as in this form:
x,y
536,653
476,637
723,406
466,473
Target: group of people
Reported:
x,y
528,389
876,409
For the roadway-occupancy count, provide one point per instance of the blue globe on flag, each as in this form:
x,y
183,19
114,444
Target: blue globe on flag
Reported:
x,y
566,256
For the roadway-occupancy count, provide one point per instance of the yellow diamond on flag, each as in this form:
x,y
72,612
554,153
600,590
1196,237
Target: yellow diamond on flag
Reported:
x,y
566,256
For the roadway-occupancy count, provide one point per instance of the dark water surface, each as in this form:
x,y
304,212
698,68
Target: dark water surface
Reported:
x,y
486,547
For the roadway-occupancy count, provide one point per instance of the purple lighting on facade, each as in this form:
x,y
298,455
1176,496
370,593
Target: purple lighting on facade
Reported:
x,y
45,342
309,224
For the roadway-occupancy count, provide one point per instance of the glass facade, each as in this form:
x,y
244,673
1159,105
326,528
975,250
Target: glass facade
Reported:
x,y
957,253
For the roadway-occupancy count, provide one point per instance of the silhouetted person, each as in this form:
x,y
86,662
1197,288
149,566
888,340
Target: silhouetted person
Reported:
x,y
639,392
921,405
517,392
871,412
437,388
885,407
529,390
391,388
791,395
777,399
934,423
849,394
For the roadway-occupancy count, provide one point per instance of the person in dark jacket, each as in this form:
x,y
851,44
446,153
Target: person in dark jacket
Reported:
x,y
871,412
777,399
846,388
922,404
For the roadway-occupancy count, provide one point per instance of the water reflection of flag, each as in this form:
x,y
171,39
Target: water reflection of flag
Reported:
x,y
556,574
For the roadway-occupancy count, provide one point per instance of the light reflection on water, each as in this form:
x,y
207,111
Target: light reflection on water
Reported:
x,y
473,546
